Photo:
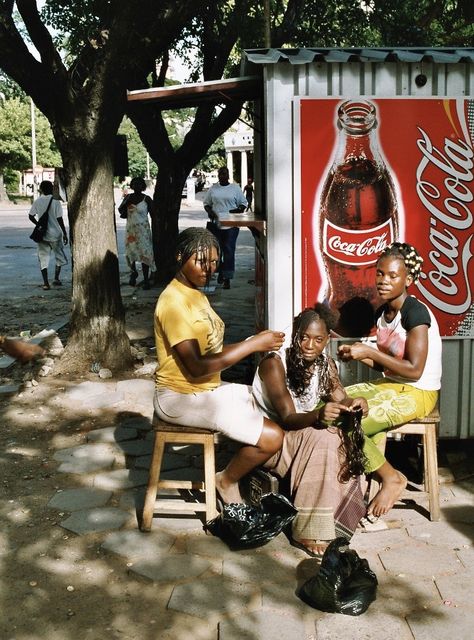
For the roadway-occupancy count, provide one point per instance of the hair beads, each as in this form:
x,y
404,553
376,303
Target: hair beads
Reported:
x,y
410,256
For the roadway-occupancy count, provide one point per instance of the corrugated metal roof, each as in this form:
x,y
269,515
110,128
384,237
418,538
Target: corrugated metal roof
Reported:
x,y
404,54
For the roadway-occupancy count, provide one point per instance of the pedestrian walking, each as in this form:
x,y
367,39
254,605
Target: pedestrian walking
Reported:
x,y
136,207
55,237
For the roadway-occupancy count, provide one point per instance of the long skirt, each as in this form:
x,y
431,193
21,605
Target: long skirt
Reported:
x,y
327,508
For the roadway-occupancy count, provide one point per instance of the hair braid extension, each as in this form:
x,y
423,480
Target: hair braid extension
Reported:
x,y
352,446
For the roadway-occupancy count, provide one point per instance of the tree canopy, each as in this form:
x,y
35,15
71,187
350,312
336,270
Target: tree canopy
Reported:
x,y
77,58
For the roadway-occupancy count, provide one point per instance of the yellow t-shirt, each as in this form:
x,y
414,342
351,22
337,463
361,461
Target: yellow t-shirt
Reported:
x,y
183,313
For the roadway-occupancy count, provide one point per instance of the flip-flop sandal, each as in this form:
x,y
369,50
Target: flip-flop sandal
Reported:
x,y
313,554
371,523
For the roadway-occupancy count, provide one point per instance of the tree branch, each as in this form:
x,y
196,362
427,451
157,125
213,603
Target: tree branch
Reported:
x,y
40,35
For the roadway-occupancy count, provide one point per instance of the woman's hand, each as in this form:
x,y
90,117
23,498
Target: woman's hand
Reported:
x,y
360,403
268,340
331,411
356,351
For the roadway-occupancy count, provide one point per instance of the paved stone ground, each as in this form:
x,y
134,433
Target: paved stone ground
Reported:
x,y
176,582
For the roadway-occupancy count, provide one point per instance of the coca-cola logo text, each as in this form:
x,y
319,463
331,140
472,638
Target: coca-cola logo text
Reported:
x,y
354,247
450,215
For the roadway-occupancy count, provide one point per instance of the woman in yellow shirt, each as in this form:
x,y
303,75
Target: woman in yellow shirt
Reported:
x,y
191,354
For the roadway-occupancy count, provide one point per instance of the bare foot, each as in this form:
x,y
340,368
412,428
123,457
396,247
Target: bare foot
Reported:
x,y
228,491
389,493
312,547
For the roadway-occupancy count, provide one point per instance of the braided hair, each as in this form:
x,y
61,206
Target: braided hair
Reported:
x,y
406,252
299,373
196,240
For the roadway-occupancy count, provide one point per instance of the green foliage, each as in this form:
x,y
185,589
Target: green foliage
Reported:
x,y
77,21
425,23
15,134
214,158
136,151
15,137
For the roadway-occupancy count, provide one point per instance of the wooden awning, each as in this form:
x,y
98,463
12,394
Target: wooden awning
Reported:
x,y
192,95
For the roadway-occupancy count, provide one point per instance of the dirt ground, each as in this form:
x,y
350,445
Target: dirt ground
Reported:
x,y
55,584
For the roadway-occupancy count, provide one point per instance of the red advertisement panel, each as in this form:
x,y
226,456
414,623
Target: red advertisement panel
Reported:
x,y
378,170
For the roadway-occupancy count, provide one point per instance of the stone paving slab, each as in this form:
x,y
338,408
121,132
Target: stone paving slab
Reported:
x,y
178,523
111,434
264,625
442,622
84,391
135,545
77,499
418,559
258,568
467,558
399,594
212,596
85,458
171,567
441,533
281,597
96,452
7,390
136,447
457,589
132,499
120,479
137,388
458,511
169,461
95,520
371,625
135,421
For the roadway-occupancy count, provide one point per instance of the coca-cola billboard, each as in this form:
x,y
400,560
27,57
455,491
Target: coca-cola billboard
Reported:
x,y
378,170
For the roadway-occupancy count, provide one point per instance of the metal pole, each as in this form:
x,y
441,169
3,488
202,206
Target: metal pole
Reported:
x,y
33,148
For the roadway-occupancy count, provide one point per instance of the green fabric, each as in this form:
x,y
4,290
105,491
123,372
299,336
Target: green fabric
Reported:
x,y
391,404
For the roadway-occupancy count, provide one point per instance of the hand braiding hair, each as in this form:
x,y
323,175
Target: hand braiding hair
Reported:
x,y
406,252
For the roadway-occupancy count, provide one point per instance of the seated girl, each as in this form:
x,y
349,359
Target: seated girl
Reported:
x,y
189,339
299,388
409,354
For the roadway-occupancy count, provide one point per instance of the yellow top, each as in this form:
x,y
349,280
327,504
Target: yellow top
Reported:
x,y
183,313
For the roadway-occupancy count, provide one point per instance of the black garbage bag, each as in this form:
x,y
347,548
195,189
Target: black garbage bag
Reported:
x,y
344,584
244,526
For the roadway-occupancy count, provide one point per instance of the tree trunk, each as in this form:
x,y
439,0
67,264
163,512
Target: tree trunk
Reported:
x,y
97,332
167,198
3,192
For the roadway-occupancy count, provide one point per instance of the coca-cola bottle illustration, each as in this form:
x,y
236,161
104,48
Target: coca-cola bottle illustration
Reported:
x,y
358,214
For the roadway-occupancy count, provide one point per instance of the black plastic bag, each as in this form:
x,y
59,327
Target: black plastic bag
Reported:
x,y
244,526
344,584
41,226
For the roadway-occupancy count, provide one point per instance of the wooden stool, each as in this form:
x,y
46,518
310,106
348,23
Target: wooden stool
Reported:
x,y
179,434
427,428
